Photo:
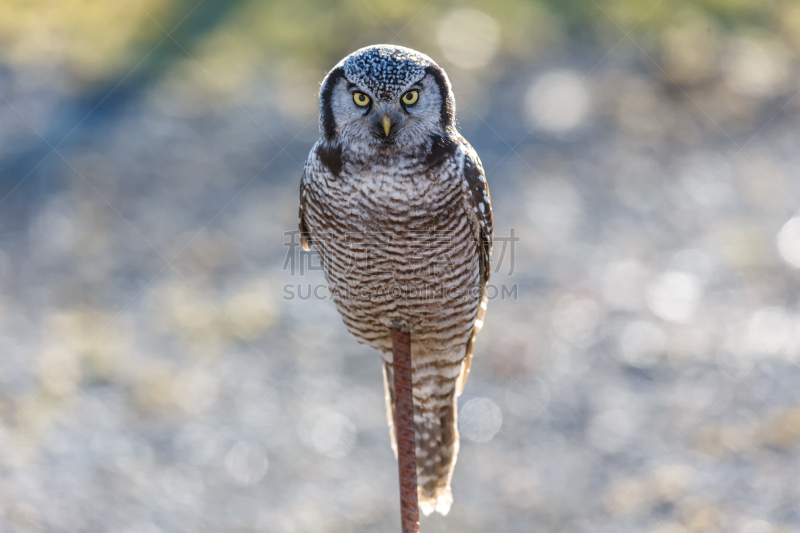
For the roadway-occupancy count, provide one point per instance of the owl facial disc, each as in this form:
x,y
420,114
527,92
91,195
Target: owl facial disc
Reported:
x,y
386,98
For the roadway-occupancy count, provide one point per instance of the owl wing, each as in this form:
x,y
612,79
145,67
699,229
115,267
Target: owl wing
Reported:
x,y
478,207
305,236
324,163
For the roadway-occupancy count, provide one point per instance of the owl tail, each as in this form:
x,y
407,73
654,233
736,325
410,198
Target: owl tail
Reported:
x,y
436,430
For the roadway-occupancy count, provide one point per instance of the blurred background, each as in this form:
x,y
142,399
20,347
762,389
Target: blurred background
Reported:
x,y
160,371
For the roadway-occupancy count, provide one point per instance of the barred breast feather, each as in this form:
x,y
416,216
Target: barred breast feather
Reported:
x,y
406,241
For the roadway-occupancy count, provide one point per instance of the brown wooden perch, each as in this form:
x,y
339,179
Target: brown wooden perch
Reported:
x,y
404,423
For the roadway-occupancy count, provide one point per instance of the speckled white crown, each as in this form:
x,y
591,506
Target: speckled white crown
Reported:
x,y
385,69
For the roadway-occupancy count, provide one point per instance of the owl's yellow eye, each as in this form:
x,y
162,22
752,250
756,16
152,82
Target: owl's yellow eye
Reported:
x,y
410,98
361,99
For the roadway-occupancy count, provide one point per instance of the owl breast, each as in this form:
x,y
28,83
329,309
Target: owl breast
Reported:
x,y
397,248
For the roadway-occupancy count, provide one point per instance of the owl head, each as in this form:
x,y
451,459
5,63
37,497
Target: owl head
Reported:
x,y
386,98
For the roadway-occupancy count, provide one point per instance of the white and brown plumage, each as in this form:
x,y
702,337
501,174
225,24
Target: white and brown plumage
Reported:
x,y
396,203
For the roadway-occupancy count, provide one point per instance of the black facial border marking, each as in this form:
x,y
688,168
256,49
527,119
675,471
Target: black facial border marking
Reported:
x,y
331,157
325,96
448,105
442,149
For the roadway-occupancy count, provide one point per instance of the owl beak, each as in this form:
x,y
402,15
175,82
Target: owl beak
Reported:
x,y
387,123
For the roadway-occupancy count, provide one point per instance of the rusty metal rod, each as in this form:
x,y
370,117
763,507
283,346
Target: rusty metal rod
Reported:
x,y
404,424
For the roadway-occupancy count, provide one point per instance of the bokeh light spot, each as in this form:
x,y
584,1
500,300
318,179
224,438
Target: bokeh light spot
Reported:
x,y
789,242
246,462
757,526
768,330
575,319
334,435
756,67
623,285
480,420
642,343
468,38
558,101
674,296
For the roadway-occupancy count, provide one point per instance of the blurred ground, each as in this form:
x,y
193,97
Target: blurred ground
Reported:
x,y
155,375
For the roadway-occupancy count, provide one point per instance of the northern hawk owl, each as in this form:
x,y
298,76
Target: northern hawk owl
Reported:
x,y
396,203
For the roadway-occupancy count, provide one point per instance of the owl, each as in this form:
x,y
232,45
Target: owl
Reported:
x,y
395,201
